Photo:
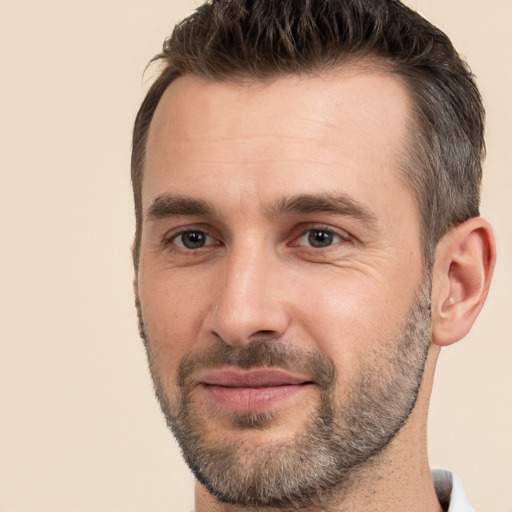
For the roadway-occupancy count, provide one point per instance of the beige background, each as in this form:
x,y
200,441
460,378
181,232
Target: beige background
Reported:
x,y
79,428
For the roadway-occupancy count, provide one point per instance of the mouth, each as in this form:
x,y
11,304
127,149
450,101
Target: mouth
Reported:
x,y
252,390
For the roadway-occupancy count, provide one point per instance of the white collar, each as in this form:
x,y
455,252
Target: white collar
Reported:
x,y
450,491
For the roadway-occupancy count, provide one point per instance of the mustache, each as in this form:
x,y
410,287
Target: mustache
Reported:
x,y
259,354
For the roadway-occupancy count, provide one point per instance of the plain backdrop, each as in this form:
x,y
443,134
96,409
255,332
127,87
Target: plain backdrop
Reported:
x,y
80,430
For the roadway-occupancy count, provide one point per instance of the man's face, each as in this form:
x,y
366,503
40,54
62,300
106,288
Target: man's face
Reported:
x,y
281,286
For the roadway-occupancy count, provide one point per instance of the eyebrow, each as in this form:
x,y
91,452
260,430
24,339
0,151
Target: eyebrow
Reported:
x,y
166,206
338,204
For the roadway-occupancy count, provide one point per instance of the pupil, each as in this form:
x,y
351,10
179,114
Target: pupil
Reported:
x,y
193,239
320,238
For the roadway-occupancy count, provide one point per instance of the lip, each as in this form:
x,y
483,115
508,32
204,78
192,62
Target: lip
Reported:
x,y
254,378
251,390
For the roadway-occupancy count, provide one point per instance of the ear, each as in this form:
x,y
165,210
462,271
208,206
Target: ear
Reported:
x,y
462,273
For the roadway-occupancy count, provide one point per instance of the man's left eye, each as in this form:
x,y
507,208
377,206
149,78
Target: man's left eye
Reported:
x,y
319,238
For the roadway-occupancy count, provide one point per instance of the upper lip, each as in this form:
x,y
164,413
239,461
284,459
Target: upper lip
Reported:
x,y
254,378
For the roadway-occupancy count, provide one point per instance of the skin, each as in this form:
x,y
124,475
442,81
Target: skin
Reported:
x,y
243,150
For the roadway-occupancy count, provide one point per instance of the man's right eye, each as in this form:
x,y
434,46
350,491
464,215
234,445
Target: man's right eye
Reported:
x,y
192,239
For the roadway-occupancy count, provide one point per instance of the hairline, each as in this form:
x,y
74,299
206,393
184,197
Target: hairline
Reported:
x,y
408,156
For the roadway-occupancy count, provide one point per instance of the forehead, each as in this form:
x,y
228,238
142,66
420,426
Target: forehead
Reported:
x,y
342,129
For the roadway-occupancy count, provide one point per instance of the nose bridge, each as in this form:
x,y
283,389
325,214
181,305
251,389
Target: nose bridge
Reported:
x,y
248,303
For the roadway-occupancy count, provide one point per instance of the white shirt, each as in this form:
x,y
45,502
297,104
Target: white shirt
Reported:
x,y
450,491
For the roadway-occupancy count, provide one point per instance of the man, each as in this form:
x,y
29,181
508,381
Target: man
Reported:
x,y
306,178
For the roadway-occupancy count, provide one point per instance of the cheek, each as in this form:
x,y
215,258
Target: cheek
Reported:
x,y
172,311
348,318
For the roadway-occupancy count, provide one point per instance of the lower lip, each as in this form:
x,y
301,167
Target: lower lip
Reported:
x,y
253,399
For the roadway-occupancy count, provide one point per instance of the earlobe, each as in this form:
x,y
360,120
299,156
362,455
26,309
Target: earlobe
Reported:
x,y
462,273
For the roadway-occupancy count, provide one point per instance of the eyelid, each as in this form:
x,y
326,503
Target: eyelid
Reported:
x,y
171,235
303,230
208,241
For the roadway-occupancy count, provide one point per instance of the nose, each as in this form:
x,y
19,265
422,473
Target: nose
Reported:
x,y
249,300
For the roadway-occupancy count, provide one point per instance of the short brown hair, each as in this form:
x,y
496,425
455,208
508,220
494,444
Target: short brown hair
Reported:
x,y
257,40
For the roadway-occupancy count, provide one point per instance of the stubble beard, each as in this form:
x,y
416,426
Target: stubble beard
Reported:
x,y
345,432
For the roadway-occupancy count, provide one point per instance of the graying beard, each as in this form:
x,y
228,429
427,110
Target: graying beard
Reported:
x,y
318,462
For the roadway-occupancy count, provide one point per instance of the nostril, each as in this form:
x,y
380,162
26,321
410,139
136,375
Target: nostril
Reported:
x,y
264,333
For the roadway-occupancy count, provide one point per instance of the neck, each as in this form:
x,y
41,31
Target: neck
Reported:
x,y
398,479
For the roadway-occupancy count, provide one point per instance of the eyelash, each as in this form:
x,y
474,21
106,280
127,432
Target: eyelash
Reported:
x,y
169,239
343,236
